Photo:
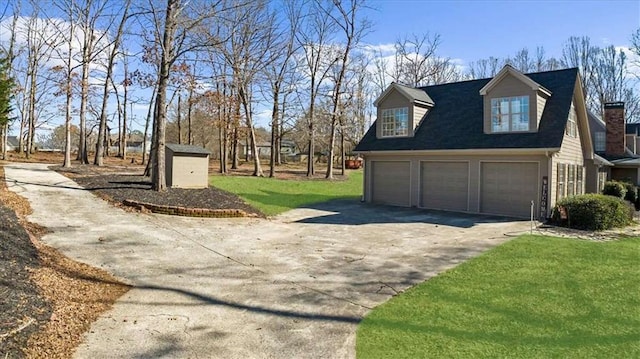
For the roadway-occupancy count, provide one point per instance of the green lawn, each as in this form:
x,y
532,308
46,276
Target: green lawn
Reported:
x,y
533,297
273,196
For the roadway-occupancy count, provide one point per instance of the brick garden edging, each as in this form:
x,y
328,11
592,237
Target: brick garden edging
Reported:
x,y
187,212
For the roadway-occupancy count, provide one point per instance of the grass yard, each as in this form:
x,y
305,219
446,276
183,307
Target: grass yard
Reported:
x,y
533,297
273,196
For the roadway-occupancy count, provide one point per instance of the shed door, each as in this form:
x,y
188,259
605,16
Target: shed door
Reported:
x,y
390,182
508,188
445,185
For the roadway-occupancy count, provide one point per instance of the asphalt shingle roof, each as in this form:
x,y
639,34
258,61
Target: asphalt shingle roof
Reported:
x,y
187,149
456,120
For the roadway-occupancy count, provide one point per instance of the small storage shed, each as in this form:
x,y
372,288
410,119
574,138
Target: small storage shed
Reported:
x,y
186,166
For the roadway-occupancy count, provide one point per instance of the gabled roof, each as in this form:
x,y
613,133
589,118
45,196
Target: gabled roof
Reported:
x,y
601,160
509,70
412,94
457,119
187,149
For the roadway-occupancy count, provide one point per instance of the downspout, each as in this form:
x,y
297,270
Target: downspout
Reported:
x,y
364,177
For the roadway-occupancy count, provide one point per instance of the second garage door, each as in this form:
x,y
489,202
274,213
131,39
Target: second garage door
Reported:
x,y
390,182
508,188
445,185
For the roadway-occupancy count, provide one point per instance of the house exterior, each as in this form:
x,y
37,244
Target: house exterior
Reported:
x,y
616,146
12,143
491,146
186,166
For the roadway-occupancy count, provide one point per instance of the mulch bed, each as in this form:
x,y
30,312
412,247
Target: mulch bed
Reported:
x,y
47,301
134,187
23,309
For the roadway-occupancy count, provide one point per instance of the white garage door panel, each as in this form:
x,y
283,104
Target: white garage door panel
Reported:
x,y
445,185
508,188
391,182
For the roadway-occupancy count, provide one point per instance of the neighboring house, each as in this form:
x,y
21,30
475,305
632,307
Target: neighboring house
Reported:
x,y
489,146
617,148
135,144
287,148
12,143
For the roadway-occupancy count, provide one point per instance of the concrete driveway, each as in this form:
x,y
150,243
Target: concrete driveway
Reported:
x,y
294,286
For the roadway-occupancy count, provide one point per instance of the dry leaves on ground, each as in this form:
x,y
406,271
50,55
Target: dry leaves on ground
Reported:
x,y
75,293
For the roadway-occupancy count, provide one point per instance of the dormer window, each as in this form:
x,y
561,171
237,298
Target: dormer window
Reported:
x,y
510,114
395,122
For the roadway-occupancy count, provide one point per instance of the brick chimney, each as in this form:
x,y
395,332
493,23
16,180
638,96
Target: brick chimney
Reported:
x,y
614,119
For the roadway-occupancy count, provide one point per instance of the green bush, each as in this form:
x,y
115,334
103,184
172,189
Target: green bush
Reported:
x,y
592,212
632,192
614,188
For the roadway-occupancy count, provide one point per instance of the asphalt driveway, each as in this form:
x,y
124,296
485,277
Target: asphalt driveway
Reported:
x,y
294,286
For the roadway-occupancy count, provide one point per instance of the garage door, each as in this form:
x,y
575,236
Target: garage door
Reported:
x,y
508,188
390,182
445,185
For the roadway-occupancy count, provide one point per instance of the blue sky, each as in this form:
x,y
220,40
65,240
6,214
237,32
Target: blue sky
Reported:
x,y
473,30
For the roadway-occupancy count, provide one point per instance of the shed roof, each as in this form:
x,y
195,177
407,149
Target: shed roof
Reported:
x,y
196,150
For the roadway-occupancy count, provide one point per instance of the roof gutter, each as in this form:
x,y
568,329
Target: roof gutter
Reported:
x,y
471,151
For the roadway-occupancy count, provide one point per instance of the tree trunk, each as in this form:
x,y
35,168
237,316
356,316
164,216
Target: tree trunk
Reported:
x,y
342,151
179,118
311,144
244,96
67,128
83,154
152,102
274,130
189,110
158,173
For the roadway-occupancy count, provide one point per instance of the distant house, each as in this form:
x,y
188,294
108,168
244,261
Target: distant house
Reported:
x,y
135,143
12,143
287,148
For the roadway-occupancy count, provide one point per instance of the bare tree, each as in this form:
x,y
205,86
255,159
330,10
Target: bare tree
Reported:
x,y
279,74
251,42
113,51
176,30
314,39
416,58
347,20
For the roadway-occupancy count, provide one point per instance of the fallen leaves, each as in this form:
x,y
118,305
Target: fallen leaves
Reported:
x,y
77,293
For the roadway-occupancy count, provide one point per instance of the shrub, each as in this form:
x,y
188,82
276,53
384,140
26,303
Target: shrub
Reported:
x,y
614,188
632,192
592,212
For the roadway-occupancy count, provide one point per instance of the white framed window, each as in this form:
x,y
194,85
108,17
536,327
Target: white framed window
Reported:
x,y
395,122
560,187
510,114
602,178
600,139
572,123
571,180
579,179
